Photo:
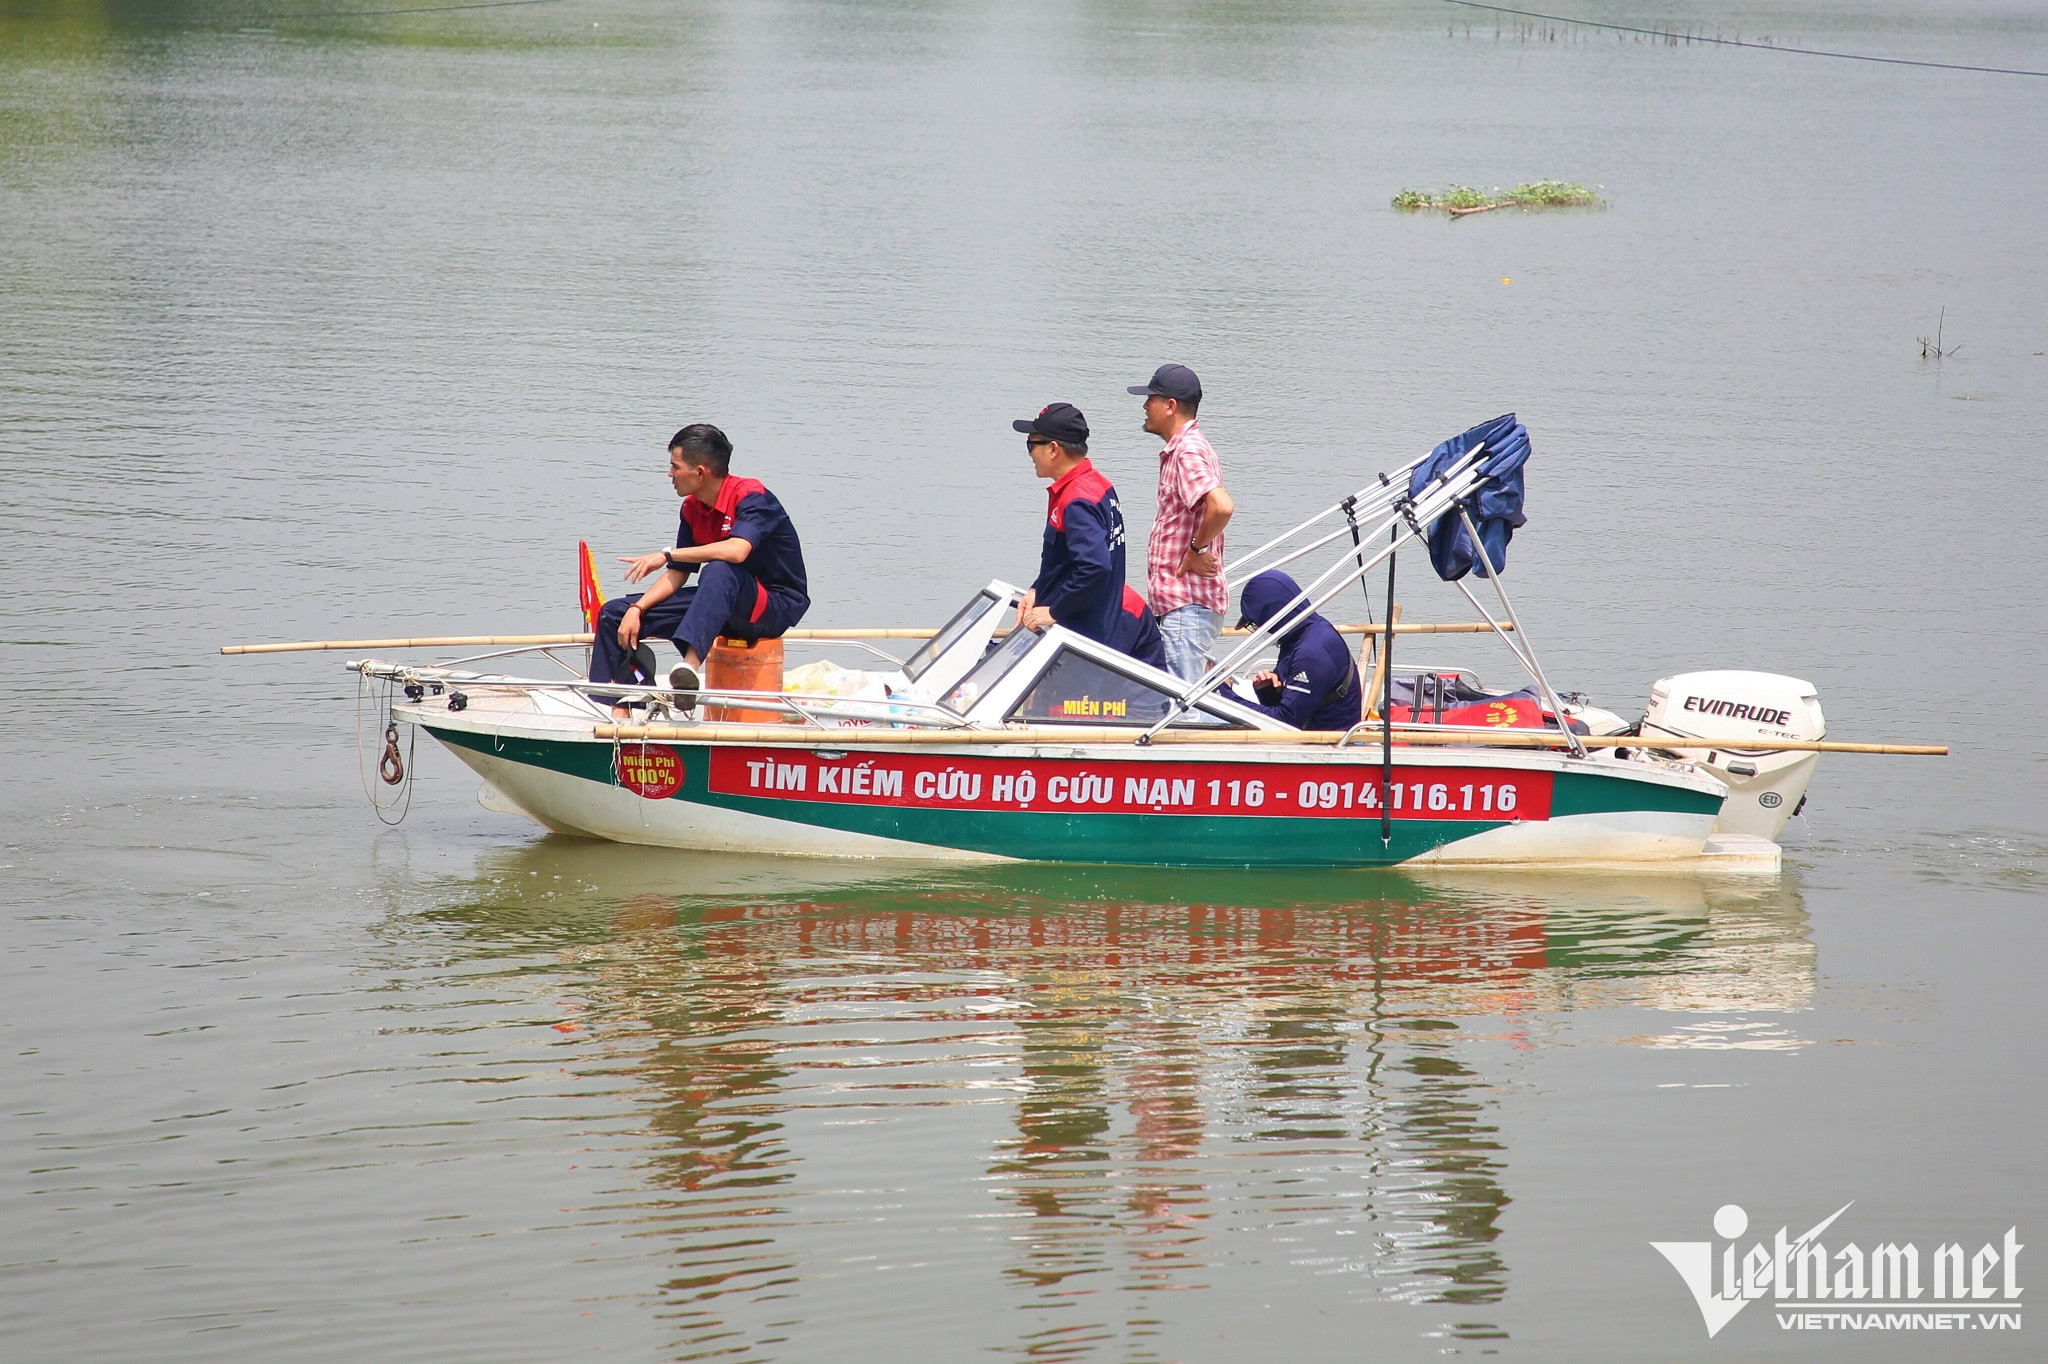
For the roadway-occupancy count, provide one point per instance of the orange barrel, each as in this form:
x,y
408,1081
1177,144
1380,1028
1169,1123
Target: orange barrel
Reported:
x,y
744,665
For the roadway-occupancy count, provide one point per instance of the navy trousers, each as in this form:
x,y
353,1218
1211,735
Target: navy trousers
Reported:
x,y
720,602
1143,641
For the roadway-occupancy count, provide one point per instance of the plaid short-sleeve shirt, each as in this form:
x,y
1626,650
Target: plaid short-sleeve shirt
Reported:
x,y
1187,473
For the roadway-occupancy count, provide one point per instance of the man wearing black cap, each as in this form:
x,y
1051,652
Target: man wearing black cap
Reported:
x,y
1081,563
1184,558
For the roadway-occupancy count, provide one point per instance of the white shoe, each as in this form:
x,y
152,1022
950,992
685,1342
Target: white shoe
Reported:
x,y
683,681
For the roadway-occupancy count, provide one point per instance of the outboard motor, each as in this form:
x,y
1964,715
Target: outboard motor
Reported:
x,y
1765,789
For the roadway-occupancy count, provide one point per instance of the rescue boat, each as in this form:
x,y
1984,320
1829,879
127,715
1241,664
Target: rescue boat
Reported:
x,y
989,743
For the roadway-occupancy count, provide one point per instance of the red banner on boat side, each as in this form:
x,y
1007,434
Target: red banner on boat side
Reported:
x,y
1130,788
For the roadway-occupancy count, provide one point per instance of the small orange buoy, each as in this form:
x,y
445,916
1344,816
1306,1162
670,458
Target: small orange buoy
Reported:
x,y
744,665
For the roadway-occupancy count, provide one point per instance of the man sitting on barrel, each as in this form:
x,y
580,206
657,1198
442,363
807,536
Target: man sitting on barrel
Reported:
x,y
752,583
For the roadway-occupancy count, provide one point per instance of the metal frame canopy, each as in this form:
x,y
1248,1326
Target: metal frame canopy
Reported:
x,y
1386,509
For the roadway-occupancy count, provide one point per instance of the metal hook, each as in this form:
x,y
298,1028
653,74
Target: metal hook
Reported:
x,y
391,767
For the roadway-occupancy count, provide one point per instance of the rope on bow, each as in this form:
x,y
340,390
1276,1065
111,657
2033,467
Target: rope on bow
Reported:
x,y
394,766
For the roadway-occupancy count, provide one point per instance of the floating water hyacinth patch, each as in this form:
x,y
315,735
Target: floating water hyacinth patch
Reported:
x,y
1459,200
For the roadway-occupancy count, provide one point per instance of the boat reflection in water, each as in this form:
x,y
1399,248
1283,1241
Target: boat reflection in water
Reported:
x,y
1042,1084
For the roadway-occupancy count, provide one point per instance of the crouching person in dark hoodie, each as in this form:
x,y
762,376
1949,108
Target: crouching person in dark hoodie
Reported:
x,y
1316,685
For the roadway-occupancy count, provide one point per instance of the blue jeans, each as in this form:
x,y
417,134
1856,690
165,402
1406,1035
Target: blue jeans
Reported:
x,y
1189,633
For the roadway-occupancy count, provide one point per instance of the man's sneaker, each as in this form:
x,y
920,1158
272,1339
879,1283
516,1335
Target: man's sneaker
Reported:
x,y
683,681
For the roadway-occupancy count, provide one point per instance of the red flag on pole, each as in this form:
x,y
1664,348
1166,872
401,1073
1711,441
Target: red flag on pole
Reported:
x,y
588,594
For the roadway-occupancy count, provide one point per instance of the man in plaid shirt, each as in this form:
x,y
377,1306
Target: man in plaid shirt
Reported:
x,y
1184,557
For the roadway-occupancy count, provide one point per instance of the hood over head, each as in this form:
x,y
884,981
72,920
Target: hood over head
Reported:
x,y
1265,595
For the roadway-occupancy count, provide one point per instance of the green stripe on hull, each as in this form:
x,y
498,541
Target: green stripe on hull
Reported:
x,y
1602,793
1193,840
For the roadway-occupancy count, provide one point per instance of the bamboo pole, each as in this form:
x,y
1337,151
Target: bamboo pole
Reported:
x,y
425,642
1058,736
1460,627
512,641
1379,669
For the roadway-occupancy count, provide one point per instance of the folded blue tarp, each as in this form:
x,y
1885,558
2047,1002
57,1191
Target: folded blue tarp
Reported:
x,y
1496,505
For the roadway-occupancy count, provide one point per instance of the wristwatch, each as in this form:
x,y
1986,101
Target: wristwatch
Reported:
x,y
668,556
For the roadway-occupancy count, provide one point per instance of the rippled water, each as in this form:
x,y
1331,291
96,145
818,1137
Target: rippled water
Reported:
x,y
340,326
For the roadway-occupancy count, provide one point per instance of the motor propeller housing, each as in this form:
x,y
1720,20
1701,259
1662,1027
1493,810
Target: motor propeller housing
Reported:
x,y
1765,789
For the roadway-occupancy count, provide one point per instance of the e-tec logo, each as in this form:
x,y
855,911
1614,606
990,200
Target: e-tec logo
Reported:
x,y
1877,1290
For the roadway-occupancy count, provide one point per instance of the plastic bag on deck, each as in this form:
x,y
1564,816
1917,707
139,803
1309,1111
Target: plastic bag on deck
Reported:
x,y
827,679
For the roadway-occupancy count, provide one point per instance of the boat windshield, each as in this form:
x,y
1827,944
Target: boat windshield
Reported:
x,y
949,634
1079,690
989,671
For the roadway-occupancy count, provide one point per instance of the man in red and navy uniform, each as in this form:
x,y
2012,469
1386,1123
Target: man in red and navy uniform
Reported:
x,y
1081,563
751,584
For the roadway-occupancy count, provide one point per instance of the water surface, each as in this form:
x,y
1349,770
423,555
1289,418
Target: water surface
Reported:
x,y
331,326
